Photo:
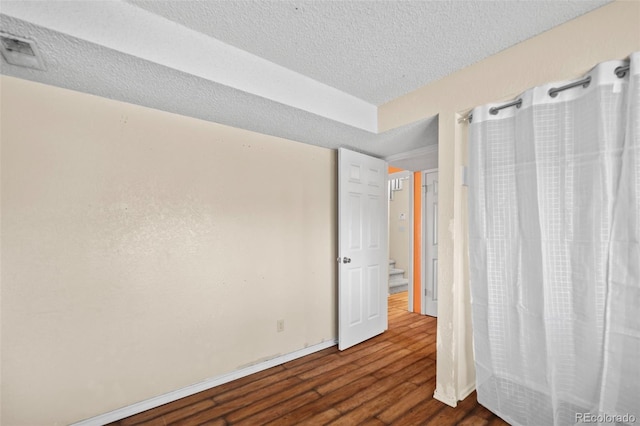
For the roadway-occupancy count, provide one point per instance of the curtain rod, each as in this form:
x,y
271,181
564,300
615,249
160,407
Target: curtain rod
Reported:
x,y
585,82
620,72
495,110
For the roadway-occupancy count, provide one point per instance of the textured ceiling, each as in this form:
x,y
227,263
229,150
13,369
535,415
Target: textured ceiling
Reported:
x,y
374,50
312,72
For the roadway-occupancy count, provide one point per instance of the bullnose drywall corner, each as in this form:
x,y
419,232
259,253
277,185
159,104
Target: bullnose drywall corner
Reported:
x,y
446,371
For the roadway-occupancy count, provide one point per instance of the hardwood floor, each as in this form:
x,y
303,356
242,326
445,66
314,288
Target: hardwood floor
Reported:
x,y
389,379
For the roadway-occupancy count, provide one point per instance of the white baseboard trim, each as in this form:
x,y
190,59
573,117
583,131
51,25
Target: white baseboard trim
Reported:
x,y
452,402
157,401
467,391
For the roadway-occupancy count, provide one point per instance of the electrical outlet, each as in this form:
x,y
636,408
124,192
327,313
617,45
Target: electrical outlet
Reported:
x,y
280,325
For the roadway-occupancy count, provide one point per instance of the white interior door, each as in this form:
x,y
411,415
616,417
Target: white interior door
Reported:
x,y
362,247
430,214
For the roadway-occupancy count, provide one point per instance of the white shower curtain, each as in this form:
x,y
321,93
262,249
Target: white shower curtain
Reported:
x,y
554,252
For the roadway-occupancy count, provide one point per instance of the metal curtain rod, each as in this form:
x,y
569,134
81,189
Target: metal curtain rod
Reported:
x,y
585,82
495,110
620,72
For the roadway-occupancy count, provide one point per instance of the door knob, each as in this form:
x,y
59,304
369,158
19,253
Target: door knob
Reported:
x,y
346,260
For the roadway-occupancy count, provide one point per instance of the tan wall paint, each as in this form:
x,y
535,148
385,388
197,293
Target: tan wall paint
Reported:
x,y
400,230
567,51
144,251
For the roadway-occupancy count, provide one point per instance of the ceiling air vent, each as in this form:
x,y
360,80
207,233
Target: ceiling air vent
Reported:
x,y
20,51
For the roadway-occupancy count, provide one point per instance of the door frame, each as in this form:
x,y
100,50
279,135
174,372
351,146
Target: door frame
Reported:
x,y
423,249
409,174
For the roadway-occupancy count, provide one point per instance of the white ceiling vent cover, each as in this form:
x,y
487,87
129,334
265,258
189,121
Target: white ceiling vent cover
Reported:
x,y
20,51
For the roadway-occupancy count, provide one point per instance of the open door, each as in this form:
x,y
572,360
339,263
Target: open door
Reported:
x,y
362,247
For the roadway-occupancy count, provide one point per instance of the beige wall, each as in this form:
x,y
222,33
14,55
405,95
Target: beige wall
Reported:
x,y
144,251
400,230
567,51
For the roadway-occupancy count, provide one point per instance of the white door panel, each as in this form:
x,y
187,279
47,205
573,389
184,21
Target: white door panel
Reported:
x,y
431,244
363,252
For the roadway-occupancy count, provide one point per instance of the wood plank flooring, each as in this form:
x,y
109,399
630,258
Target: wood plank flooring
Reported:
x,y
386,380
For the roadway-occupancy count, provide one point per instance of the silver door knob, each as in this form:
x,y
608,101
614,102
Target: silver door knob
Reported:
x,y
346,260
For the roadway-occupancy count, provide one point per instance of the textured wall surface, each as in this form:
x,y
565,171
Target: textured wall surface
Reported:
x,y
144,251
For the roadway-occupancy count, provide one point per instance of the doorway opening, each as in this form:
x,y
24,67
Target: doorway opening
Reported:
x,y
413,239
400,190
